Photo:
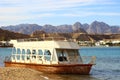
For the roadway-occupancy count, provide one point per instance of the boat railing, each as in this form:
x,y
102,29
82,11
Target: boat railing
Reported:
x,y
89,59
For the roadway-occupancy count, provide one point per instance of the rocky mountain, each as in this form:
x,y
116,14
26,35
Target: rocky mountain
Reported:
x,y
49,28
94,28
99,28
30,28
76,26
23,28
85,26
115,29
64,28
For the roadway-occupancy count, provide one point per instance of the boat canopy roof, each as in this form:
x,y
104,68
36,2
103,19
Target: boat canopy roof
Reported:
x,y
45,44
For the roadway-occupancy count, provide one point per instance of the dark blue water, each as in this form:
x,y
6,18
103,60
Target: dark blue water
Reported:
x,y
107,64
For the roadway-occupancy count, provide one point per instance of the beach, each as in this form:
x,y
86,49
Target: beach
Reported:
x,y
10,73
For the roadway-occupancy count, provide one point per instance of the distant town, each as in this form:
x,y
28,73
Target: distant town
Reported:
x,y
101,43
80,38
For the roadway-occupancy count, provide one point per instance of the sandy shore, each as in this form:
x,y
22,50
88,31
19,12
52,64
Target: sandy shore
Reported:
x,y
9,73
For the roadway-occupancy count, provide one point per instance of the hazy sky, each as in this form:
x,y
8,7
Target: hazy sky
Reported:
x,y
58,12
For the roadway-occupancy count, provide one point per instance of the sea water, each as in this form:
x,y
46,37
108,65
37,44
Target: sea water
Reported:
x,y
107,64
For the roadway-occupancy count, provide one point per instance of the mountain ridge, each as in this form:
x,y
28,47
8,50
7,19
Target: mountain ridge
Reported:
x,y
95,27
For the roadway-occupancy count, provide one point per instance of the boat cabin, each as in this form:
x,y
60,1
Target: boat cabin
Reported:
x,y
46,52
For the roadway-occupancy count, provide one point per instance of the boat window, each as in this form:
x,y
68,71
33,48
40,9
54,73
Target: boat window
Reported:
x,y
23,54
33,53
47,55
18,57
13,57
28,54
23,51
62,55
40,52
47,52
80,58
28,51
73,55
14,50
18,51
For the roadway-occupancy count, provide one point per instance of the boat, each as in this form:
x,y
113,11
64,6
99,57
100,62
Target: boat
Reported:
x,y
49,56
